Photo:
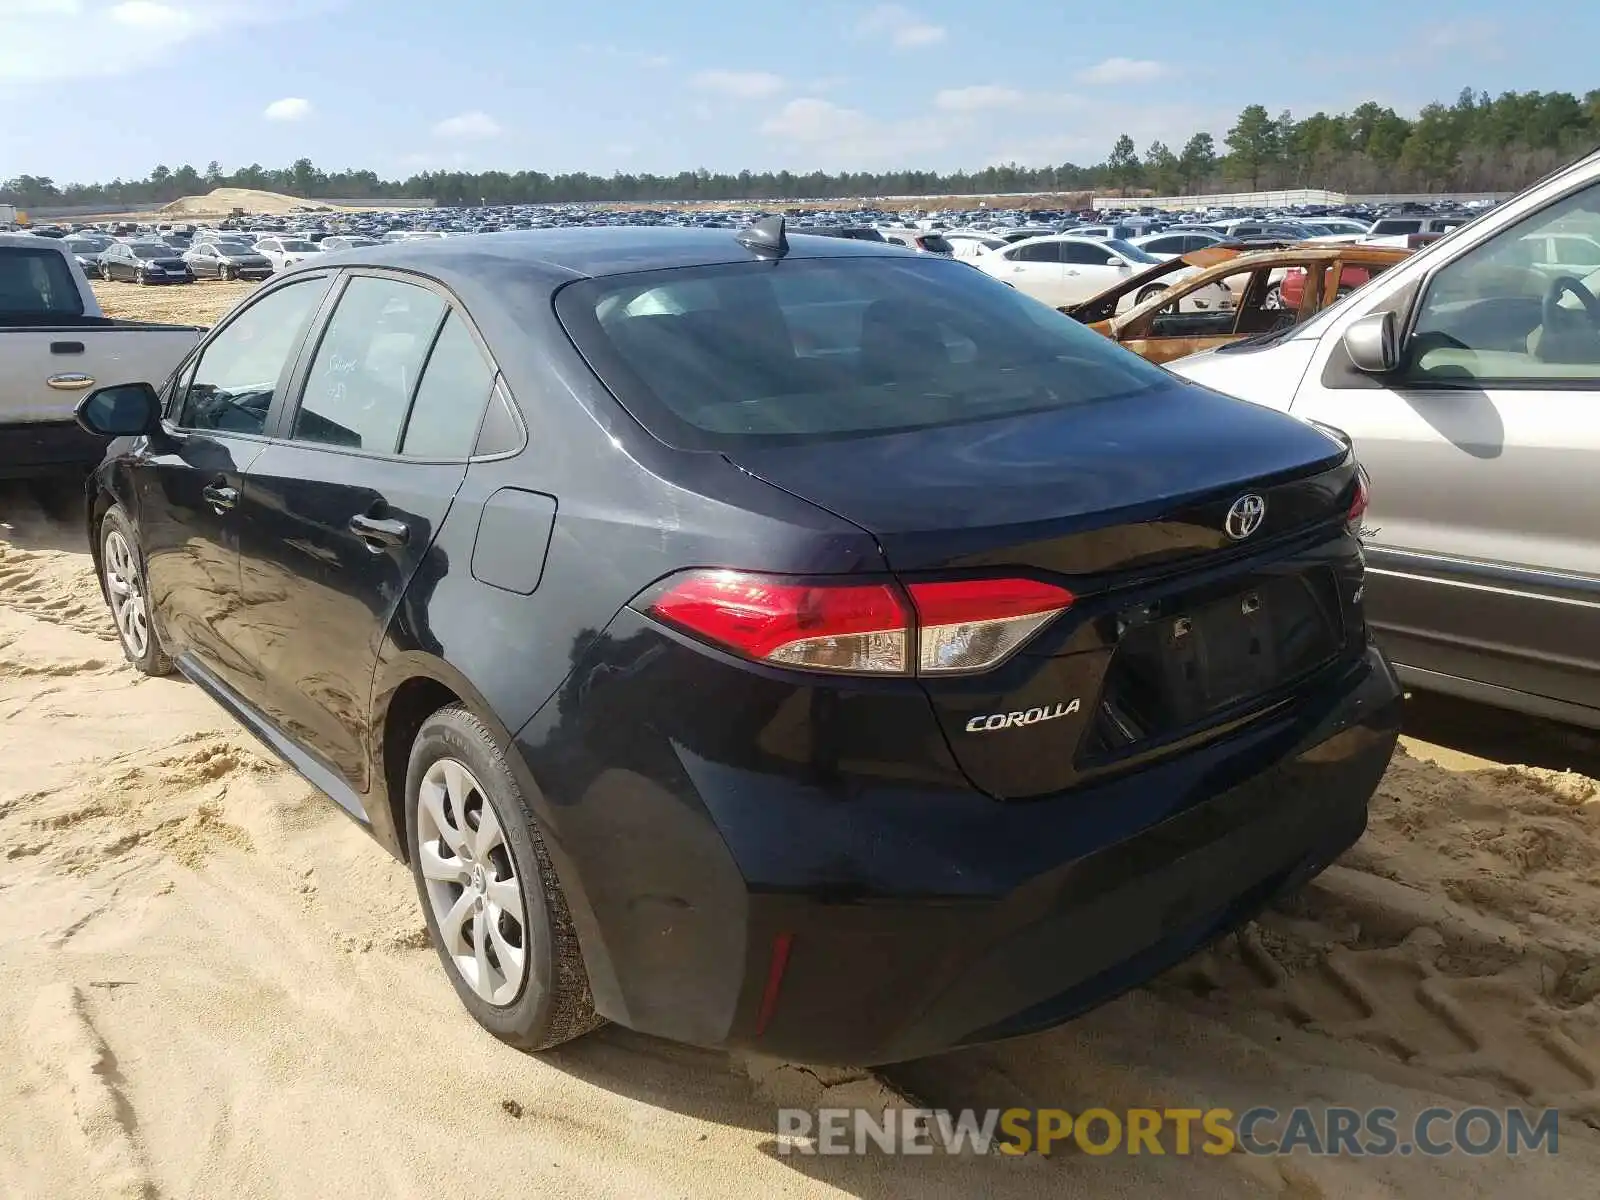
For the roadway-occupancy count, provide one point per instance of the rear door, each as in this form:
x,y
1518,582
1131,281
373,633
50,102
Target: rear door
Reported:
x,y
1034,269
340,513
1087,271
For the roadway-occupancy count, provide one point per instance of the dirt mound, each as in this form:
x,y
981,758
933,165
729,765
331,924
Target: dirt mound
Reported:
x,y
222,201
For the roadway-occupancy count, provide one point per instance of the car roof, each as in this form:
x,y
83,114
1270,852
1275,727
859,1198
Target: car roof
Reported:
x,y
561,254
1054,237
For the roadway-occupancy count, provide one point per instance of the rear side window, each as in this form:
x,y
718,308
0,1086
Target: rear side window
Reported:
x,y
455,386
722,356
37,282
367,365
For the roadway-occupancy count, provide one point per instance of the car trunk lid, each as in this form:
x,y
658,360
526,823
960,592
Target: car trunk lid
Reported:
x,y
1176,625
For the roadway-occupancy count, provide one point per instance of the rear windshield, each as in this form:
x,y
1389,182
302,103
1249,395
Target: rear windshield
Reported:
x,y
815,349
37,281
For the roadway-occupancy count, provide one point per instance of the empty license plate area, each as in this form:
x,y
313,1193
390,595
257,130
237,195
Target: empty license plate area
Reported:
x,y
1185,659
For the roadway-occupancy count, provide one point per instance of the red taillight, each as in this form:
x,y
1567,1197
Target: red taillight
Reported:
x,y
1358,506
845,627
862,627
974,624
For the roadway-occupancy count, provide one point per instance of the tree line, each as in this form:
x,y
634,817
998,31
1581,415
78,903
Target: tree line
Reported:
x,y
1479,143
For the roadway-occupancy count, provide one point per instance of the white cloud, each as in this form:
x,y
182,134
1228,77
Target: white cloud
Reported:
x,y
146,14
741,85
469,126
841,134
1123,70
899,26
640,57
977,98
146,33
290,108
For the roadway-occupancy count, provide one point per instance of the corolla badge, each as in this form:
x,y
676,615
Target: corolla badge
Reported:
x,y
1016,720
1244,516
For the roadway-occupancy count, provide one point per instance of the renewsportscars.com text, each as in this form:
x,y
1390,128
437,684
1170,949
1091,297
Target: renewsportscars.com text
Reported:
x,y
1330,1131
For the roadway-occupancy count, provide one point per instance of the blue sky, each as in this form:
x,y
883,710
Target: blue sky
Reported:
x,y
93,89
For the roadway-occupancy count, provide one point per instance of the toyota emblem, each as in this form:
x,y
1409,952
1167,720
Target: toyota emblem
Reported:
x,y
1244,516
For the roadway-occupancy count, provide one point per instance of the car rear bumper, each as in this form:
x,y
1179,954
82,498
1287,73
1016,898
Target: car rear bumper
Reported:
x,y
47,448
863,926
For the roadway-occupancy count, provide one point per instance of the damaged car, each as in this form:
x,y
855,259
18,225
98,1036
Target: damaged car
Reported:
x,y
1273,289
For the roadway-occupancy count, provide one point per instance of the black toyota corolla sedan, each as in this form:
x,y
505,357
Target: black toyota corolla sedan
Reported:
x,y
792,643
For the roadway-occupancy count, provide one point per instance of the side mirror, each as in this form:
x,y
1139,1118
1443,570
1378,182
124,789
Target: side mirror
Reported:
x,y
1372,344
1114,261
125,410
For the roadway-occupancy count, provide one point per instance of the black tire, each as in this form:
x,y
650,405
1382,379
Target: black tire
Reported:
x,y
140,278
555,1004
105,272
1147,294
227,272
153,660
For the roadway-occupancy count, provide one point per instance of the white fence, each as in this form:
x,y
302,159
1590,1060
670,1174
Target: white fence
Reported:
x,y
1289,198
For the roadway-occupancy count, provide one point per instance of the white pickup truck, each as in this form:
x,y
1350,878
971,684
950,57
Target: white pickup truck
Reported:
x,y
56,345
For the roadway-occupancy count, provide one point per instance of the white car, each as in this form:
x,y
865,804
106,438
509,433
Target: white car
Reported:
x,y
1063,269
286,251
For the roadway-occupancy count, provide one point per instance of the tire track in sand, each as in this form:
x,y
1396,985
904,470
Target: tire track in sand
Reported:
x,y
53,586
74,1062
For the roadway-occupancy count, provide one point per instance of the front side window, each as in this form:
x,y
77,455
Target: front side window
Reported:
x,y
233,384
1085,254
1504,313
822,349
367,365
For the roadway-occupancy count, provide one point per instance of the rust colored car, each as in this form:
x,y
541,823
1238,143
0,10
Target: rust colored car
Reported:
x,y
1271,287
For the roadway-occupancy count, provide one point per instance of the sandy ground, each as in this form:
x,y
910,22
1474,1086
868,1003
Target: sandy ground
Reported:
x,y
203,302
212,984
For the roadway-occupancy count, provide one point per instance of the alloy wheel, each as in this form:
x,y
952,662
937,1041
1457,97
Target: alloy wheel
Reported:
x,y
471,880
128,607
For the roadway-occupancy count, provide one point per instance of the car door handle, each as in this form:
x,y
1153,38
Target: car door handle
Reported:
x,y
220,496
380,533
72,382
